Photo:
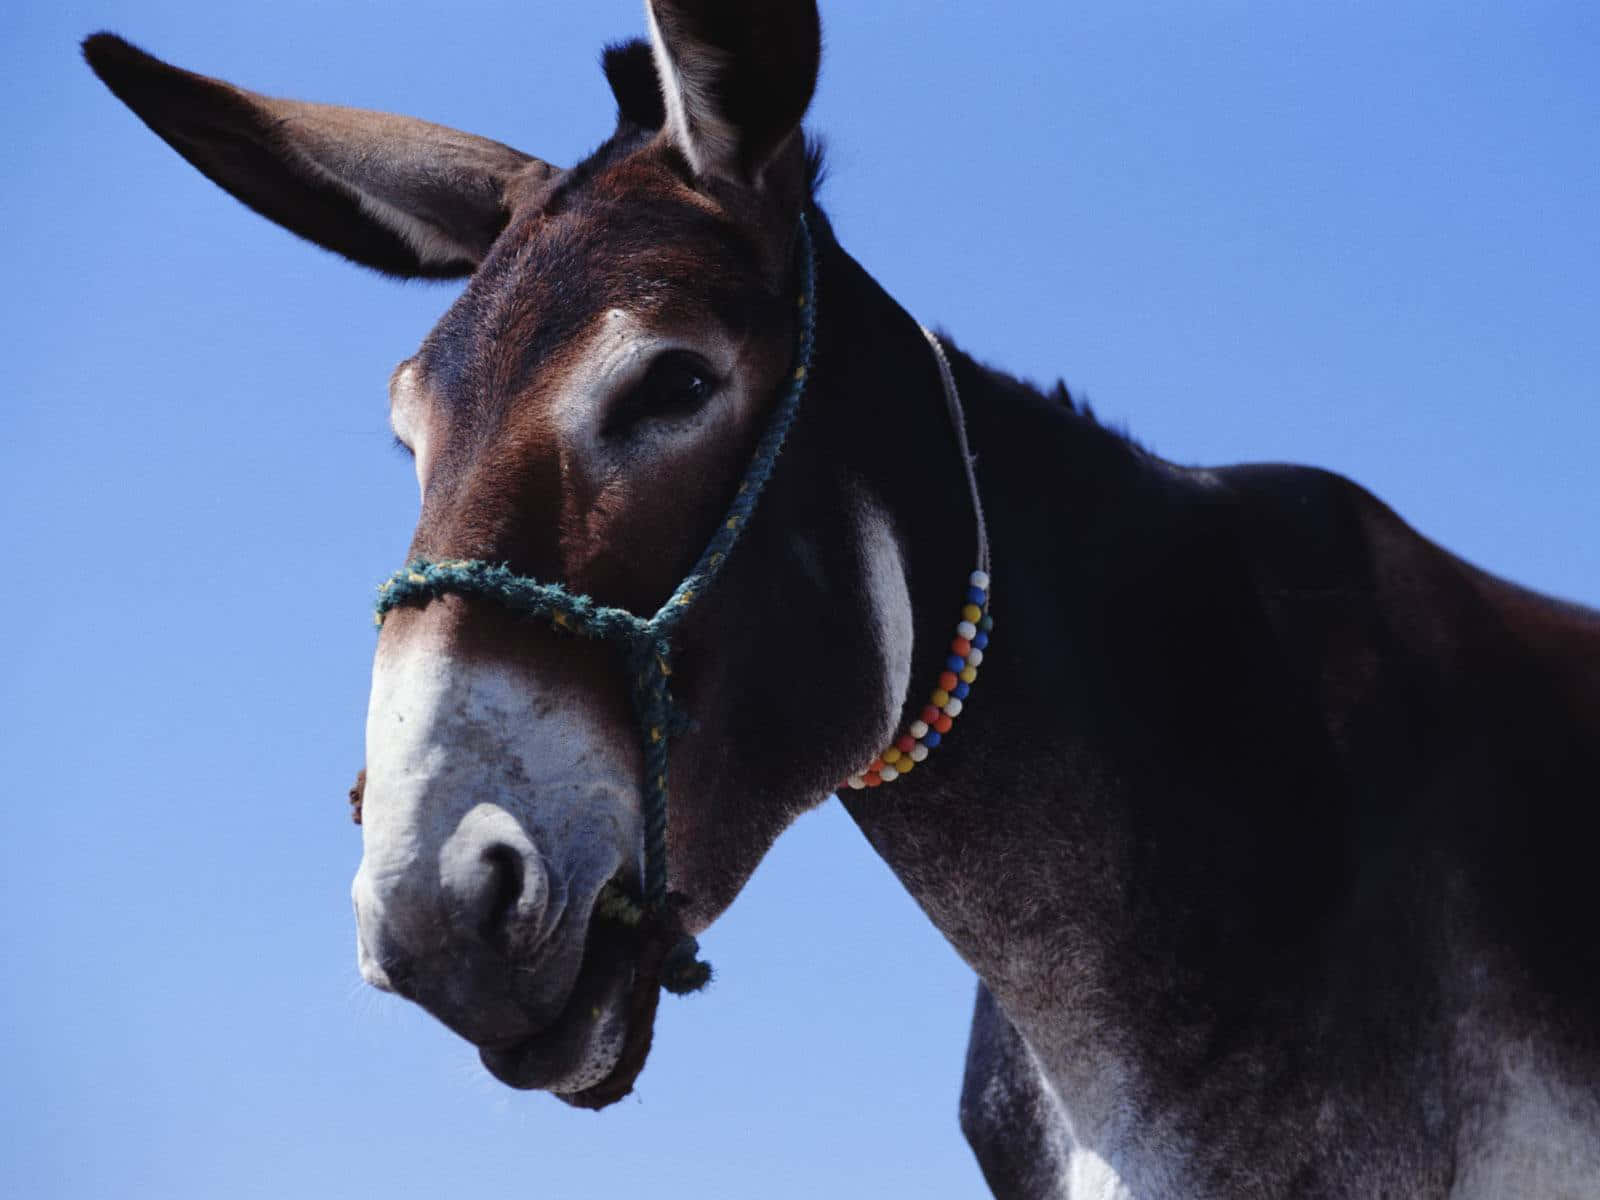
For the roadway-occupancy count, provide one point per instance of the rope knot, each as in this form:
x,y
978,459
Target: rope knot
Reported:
x,y
683,971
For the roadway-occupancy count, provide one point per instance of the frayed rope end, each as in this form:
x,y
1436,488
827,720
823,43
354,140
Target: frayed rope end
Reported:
x,y
683,971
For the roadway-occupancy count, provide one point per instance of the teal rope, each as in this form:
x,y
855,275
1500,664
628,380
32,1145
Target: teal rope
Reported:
x,y
646,644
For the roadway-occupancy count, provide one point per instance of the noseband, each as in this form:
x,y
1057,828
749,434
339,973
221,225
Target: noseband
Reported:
x,y
646,645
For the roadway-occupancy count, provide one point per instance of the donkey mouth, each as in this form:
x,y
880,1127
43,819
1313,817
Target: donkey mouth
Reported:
x,y
591,1054
578,1048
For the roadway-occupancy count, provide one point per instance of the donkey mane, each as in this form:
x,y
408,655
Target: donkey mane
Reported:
x,y
1098,439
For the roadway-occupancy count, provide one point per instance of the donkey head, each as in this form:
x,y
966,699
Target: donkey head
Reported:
x,y
582,414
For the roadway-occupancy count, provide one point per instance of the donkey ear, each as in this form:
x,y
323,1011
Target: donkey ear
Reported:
x,y
398,194
736,76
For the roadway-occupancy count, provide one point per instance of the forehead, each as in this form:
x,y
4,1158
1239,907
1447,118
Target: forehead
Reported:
x,y
624,231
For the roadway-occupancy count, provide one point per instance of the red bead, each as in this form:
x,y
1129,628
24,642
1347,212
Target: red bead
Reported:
x,y
877,765
948,681
872,779
904,743
943,723
930,715
961,647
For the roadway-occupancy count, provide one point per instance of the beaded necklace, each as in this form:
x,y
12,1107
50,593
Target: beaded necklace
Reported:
x,y
965,653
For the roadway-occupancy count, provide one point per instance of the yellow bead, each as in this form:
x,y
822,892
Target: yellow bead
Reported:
x,y
905,764
972,613
891,756
967,674
940,697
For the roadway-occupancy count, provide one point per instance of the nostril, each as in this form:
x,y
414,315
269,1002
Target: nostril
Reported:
x,y
494,886
502,892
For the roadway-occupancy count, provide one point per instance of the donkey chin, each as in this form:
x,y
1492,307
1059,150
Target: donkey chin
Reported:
x,y
491,821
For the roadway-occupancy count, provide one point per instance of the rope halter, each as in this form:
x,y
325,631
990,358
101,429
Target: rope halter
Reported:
x,y
646,645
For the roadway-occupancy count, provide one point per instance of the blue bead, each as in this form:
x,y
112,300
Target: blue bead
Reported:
x,y
981,642
955,662
987,623
976,595
961,691
931,739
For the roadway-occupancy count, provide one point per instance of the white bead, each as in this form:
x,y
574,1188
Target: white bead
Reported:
x,y
979,579
966,629
919,752
888,773
918,729
952,707
974,657
856,782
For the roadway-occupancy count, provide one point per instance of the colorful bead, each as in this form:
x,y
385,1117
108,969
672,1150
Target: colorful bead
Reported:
x,y
928,730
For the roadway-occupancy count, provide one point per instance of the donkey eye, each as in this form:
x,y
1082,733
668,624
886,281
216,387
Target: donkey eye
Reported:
x,y
677,384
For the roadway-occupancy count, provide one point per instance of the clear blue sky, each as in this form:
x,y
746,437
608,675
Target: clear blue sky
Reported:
x,y
1338,235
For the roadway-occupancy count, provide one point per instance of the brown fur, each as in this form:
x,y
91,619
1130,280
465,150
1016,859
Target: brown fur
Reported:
x,y
1268,830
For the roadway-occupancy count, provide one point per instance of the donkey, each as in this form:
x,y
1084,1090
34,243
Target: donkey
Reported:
x,y
1268,827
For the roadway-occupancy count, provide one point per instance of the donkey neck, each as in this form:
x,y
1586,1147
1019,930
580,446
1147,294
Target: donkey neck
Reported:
x,y
1060,834
1006,788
